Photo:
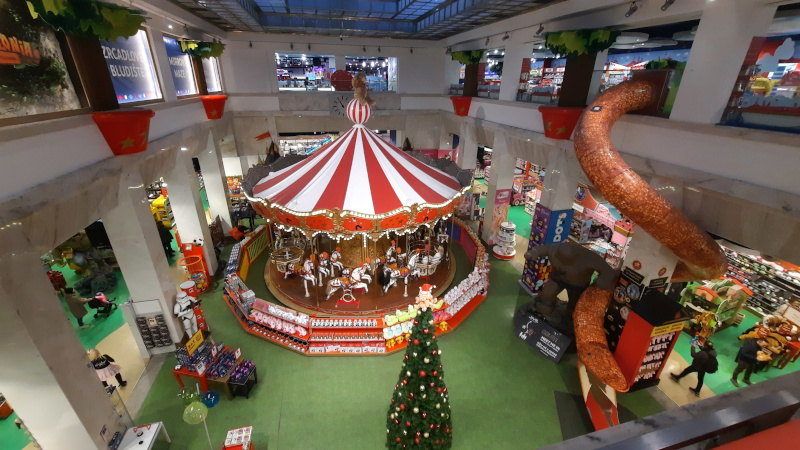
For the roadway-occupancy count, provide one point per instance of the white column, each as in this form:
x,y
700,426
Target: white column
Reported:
x,y
187,207
216,185
501,177
597,76
560,181
162,60
720,45
512,67
467,147
132,231
339,62
46,375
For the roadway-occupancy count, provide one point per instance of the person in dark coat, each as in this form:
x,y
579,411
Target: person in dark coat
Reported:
x,y
746,360
703,361
166,238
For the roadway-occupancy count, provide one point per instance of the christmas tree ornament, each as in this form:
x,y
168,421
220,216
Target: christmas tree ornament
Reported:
x,y
408,374
408,424
422,373
430,322
438,390
402,407
419,434
426,360
424,395
421,387
416,440
425,416
426,435
405,382
425,331
416,341
435,372
416,410
438,406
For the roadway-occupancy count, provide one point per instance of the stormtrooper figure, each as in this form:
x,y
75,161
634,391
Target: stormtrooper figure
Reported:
x,y
184,310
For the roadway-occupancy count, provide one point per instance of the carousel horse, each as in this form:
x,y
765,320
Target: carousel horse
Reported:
x,y
323,268
393,276
413,270
335,263
356,279
361,272
307,272
334,284
391,254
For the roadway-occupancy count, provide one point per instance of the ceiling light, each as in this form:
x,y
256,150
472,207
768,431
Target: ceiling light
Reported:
x,y
505,38
632,10
364,48
291,45
540,30
448,51
629,37
169,26
379,49
487,41
667,4
251,44
411,50
309,47
684,36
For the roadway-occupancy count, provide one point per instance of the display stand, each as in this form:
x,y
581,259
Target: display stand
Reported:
x,y
143,437
242,389
506,241
239,439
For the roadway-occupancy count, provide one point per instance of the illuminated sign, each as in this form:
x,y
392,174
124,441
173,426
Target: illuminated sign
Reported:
x,y
131,67
181,68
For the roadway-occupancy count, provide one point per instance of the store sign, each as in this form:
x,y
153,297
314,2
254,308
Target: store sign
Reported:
x,y
14,51
666,329
131,68
201,368
545,339
560,222
195,342
238,353
181,68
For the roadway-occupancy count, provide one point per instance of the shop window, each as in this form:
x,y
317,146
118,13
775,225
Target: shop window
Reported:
x,y
541,77
381,71
766,94
33,73
132,70
490,74
211,71
304,72
180,65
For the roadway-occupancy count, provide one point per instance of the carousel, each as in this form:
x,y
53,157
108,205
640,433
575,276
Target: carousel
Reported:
x,y
359,225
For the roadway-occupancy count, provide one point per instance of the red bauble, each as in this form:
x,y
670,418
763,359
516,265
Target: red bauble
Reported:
x,y
431,426
416,341
422,373
425,416
436,442
396,422
438,425
448,430
433,337
433,352
425,331
435,372
411,395
397,439
433,384
419,434
416,440
415,322
445,390
405,382
408,424
440,366
402,407
406,357
438,391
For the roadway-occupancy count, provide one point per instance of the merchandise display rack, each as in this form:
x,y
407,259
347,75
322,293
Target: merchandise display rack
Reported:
x,y
356,335
771,288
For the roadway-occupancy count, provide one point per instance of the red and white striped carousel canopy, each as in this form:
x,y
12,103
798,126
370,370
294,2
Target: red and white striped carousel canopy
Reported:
x,y
358,172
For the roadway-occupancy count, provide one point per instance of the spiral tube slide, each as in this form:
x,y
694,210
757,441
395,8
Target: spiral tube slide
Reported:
x,y
701,257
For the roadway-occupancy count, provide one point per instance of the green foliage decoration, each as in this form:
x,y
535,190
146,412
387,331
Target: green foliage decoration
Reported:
x,y
86,18
656,64
580,42
202,49
467,57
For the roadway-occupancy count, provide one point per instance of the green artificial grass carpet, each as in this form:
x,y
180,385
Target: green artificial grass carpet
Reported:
x,y
502,390
727,343
11,437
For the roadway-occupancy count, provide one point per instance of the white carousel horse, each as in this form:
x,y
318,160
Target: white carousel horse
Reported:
x,y
323,268
413,270
334,284
394,275
356,279
361,273
391,254
307,272
335,263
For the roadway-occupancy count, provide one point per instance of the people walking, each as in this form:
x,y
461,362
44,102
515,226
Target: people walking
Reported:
x,y
746,360
704,361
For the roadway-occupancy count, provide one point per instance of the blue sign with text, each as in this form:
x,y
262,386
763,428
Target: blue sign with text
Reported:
x,y
560,222
180,66
131,68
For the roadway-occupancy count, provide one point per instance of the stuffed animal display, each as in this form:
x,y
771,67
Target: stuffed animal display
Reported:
x,y
360,89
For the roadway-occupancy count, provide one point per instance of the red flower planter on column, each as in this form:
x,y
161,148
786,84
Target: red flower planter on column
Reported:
x,y
214,105
126,131
559,121
461,104
342,80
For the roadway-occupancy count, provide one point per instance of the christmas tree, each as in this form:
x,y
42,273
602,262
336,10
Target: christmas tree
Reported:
x,y
419,416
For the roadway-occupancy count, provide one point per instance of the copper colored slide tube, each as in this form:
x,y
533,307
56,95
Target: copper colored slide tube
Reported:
x,y
701,257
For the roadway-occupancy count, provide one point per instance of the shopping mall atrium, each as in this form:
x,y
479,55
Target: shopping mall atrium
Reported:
x,y
304,224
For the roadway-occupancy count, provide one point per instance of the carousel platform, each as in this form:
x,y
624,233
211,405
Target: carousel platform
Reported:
x,y
291,293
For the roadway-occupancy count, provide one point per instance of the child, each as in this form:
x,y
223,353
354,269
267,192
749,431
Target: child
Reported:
x,y
105,369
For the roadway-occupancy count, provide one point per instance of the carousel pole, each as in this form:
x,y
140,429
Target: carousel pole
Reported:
x,y
305,285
